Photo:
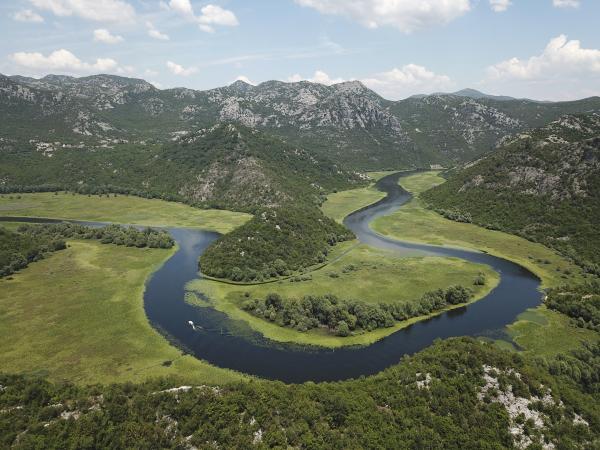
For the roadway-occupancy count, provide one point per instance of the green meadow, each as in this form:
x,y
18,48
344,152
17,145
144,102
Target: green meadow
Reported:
x,y
362,273
120,209
78,315
414,222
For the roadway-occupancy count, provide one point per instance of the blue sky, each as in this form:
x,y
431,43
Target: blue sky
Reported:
x,y
543,49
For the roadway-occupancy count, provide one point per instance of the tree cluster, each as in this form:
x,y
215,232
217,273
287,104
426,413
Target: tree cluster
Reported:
x,y
109,234
17,250
346,317
276,242
580,302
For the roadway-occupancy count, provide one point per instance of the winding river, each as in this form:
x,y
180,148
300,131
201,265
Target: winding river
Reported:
x,y
229,344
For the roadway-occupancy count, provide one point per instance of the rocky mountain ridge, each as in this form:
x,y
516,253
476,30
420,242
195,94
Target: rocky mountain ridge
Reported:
x,y
346,122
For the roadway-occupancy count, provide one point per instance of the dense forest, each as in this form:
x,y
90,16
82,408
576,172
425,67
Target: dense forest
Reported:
x,y
544,186
345,317
18,249
274,243
458,393
224,167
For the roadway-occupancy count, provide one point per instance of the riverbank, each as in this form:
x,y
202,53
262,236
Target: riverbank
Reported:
x,y
339,204
78,316
415,223
364,273
121,209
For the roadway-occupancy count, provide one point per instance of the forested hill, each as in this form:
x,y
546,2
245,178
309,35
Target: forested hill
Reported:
x,y
543,185
224,166
345,122
458,393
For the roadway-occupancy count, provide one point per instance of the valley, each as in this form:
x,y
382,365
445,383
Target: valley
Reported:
x,y
316,265
371,278
299,225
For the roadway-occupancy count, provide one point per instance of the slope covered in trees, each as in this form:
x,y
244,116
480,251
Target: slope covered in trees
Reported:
x,y
224,166
543,185
458,393
273,243
581,303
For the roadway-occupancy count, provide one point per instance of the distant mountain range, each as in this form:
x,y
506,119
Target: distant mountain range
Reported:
x,y
346,123
471,93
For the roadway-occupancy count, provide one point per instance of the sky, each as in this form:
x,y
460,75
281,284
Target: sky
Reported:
x,y
540,49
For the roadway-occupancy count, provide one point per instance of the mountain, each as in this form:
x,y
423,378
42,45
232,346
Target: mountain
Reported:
x,y
543,185
347,122
224,166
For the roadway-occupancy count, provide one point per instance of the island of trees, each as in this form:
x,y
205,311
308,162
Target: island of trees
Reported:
x,y
349,317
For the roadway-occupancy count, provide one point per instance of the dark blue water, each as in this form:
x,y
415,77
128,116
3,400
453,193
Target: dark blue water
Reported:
x,y
247,351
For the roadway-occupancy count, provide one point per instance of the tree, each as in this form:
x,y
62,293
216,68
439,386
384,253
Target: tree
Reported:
x,y
342,329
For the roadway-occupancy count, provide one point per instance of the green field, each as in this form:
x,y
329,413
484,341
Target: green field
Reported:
x,y
339,205
413,222
538,331
364,274
121,209
546,333
78,315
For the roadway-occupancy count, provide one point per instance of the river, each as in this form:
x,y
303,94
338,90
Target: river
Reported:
x,y
224,343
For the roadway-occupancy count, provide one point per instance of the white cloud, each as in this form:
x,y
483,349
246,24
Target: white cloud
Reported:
x,y
62,61
406,15
156,84
566,3
98,10
211,15
216,15
563,71
245,79
394,84
500,5
154,33
177,69
182,6
560,57
104,36
27,15
318,77
409,80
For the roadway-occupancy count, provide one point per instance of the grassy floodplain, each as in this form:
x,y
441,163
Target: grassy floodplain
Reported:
x,y
543,332
78,315
413,222
339,204
121,209
538,331
362,273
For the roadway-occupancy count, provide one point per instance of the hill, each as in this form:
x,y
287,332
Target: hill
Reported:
x,y
543,185
224,166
